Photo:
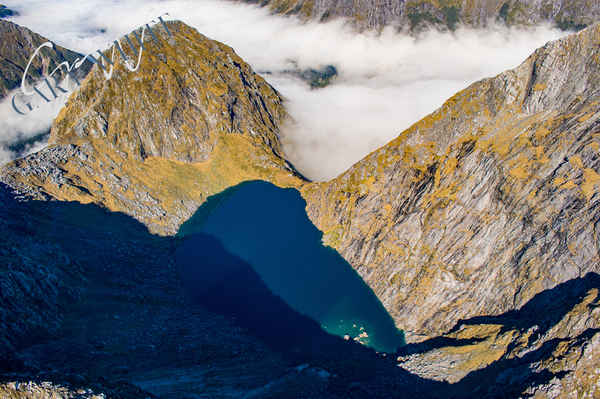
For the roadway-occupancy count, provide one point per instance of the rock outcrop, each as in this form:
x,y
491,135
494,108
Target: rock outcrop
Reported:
x,y
548,348
193,120
415,15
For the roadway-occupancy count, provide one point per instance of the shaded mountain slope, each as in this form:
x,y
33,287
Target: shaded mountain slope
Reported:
x,y
416,15
137,325
482,204
548,348
131,322
154,143
17,46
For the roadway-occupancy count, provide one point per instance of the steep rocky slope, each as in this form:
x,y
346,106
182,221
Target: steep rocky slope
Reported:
x,y
17,45
92,304
445,14
482,204
94,307
478,229
548,348
154,143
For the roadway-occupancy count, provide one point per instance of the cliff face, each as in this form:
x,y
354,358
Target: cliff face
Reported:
x,y
444,14
483,204
477,228
154,143
17,45
547,348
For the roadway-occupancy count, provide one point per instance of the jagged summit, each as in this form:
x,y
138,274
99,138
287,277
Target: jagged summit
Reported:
x,y
186,92
192,120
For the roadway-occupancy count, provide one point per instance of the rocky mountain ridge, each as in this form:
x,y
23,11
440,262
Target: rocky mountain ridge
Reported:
x,y
416,15
485,202
477,228
18,46
192,121
547,349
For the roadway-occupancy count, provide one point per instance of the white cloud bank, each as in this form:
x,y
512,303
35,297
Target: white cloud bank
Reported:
x,y
16,128
386,82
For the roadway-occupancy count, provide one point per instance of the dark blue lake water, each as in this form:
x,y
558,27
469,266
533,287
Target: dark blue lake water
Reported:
x,y
267,227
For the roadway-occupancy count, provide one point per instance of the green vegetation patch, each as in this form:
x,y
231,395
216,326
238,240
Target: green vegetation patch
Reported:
x,y
417,18
452,15
503,14
570,25
6,12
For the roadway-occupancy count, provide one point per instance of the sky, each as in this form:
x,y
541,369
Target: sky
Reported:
x,y
386,81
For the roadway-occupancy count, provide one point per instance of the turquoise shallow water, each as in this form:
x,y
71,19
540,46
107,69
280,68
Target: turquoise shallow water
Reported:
x,y
268,228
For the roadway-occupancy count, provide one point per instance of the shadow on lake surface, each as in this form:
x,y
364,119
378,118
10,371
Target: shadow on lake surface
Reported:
x,y
117,309
267,227
225,284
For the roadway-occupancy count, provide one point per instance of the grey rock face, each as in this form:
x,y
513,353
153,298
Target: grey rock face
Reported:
x,y
548,348
17,46
482,204
415,15
477,229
